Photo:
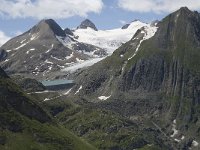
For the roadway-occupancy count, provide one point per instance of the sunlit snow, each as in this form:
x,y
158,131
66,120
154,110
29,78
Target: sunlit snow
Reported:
x,y
78,90
86,63
103,98
108,39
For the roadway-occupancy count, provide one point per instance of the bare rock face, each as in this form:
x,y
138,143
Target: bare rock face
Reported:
x,y
68,32
87,23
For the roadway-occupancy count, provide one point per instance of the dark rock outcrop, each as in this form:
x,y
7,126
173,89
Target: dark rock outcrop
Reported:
x,y
87,23
68,31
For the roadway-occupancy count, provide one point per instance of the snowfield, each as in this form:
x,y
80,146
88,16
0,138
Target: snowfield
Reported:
x,y
108,39
82,64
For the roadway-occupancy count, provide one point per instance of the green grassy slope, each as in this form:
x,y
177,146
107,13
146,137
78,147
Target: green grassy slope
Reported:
x,y
26,126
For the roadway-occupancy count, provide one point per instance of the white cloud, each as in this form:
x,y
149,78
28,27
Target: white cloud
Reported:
x,y
157,6
3,38
122,22
55,9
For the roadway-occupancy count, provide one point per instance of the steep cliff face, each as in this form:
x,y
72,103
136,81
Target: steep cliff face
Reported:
x,y
168,63
153,76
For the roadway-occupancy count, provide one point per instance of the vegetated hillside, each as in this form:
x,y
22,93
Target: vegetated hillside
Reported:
x,y
25,125
105,129
153,76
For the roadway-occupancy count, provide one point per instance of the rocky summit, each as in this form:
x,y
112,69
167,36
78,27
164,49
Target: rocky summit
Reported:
x,y
87,24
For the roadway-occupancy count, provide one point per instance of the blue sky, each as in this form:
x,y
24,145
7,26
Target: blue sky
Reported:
x,y
17,16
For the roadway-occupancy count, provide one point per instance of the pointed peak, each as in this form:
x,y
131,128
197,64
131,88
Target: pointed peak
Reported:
x,y
47,25
184,9
183,14
87,23
48,21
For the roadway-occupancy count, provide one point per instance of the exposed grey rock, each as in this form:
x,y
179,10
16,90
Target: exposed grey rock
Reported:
x,y
87,23
126,26
44,50
68,31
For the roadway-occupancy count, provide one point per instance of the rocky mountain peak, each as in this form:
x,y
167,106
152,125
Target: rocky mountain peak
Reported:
x,y
184,9
48,25
87,23
68,32
179,27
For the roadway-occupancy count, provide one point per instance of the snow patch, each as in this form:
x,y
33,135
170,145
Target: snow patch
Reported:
x,y
103,98
78,90
46,91
56,58
50,49
46,99
79,60
66,41
32,49
177,140
195,143
22,41
6,60
183,137
48,62
175,132
70,56
68,92
34,36
8,50
86,63
21,45
149,31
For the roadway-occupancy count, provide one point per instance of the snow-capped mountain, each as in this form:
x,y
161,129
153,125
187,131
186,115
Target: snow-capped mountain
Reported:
x,y
46,50
109,40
